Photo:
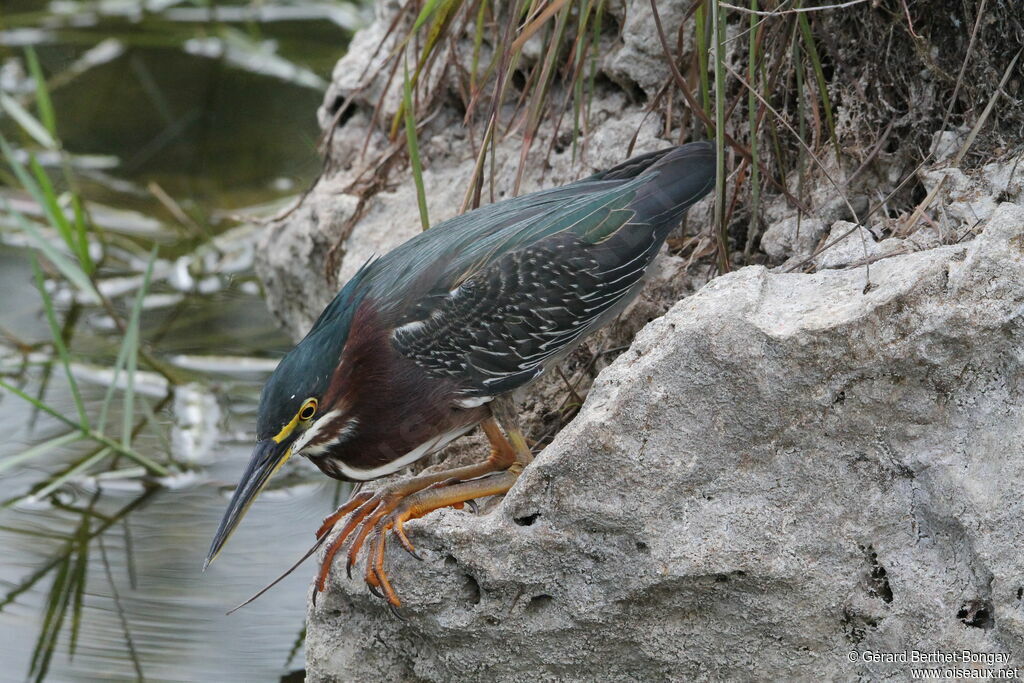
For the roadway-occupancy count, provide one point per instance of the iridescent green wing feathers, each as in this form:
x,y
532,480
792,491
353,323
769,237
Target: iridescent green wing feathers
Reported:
x,y
499,293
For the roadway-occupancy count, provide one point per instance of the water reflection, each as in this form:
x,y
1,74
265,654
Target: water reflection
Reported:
x,y
171,120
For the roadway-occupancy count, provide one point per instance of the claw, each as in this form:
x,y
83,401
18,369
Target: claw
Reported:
x,y
473,507
394,610
389,592
367,525
399,530
370,572
325,566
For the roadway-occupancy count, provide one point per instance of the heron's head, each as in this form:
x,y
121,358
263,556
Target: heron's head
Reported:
x,y
298,412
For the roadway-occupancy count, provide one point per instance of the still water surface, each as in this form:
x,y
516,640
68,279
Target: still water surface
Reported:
x,y
218,113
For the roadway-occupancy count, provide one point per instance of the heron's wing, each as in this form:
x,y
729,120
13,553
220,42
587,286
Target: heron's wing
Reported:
x,y
509,301
501,326
417,274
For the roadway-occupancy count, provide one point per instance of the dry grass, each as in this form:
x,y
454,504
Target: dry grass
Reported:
x,y
795,95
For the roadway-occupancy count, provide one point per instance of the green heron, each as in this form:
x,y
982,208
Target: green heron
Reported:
x,y
427,342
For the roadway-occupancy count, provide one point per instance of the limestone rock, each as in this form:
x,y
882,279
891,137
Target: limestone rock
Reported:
x,y
853,244
967,199
794,236
782,470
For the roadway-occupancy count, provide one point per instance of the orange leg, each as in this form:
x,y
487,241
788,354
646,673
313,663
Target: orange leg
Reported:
x,y
367,510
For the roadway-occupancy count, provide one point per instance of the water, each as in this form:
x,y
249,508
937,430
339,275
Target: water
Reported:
x,y
214,108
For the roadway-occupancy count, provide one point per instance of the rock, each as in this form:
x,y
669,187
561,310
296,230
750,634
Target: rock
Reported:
x,y
796,236
967,199
946,143
639,60
853,244
782,470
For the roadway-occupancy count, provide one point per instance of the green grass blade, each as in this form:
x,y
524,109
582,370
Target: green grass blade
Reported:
x,y
131,341
52,207
801,118
155,427
40,449
39,405
129,554
43,102
29,582
68,269
429,8
79,576
122,356
128,640
414,149
752,109
56,609
149,464
71,472
58,341
718,25
24,179
700,27
595,42
49,203
819,75
55,215
119,367
82,233
478,37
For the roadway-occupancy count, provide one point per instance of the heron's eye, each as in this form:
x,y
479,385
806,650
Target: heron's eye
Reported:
x,y
308,409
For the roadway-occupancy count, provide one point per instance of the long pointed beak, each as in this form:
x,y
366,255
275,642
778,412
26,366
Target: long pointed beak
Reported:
x,y
266,458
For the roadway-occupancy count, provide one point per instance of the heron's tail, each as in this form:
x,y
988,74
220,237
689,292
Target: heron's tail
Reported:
x,y
679,178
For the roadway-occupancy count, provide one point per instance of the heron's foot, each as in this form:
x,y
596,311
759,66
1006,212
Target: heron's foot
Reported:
x,y
451,493
371,515
363,512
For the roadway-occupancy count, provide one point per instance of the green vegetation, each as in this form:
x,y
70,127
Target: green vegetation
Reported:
x,y
143,292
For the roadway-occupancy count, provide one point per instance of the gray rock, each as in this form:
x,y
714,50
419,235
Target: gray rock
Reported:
x,y
853,244
967,199
795,236
639,59
781,471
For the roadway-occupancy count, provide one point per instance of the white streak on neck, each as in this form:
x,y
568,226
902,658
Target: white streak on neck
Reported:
x,y
424,449
310,433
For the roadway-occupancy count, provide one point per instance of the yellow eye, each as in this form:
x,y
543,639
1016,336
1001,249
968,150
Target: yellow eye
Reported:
x,y
308,409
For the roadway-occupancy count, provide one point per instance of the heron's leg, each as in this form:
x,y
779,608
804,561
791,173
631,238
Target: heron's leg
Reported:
x,y
366,509
504,411
452,493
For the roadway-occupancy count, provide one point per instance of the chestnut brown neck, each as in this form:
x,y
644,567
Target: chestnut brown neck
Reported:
x,y
397,406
